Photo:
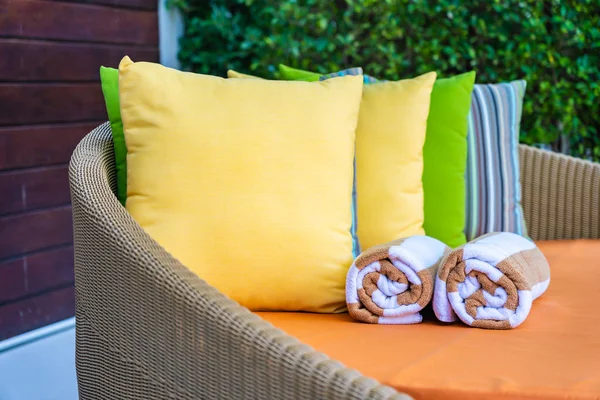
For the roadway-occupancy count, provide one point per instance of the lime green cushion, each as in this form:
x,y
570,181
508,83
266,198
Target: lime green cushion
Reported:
x,y
110,88
445,159
293,74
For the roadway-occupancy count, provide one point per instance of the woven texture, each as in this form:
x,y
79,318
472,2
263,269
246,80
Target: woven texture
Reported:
x,y
561,195
148,328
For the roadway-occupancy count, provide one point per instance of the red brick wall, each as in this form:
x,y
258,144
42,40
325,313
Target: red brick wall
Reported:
x,y
50,97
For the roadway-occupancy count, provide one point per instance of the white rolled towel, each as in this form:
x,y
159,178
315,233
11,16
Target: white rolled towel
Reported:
x,y
391,283
491,282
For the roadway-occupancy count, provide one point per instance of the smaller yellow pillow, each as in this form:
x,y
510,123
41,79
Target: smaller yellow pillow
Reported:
x,y
234,74
389,159
390,137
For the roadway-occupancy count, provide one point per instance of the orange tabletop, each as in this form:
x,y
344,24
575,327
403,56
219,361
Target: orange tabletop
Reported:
x,y
554,354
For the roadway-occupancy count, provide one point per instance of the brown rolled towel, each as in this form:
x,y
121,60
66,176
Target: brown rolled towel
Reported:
x,y
491,282
392,282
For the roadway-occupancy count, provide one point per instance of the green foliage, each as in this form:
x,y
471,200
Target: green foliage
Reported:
x,y
553,44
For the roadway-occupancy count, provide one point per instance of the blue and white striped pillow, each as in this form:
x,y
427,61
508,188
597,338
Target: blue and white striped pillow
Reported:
x,y
350,71
493,182
356,250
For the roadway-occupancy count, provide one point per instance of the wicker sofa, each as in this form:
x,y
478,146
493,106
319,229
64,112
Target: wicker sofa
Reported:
x,y
147,328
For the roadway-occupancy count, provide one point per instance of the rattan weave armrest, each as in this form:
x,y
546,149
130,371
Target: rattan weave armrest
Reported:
x,y
561,195
148,328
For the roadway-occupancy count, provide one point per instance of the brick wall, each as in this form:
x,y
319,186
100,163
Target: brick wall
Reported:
x,y
50,97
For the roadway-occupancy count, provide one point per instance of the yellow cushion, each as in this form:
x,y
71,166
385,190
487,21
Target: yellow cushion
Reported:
x,y
234,74
247,182
389,159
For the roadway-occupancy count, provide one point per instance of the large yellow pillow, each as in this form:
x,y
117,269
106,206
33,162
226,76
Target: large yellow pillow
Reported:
x,y
389,159
247,182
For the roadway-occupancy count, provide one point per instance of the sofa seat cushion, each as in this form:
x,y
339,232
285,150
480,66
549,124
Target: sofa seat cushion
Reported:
x,y
554,354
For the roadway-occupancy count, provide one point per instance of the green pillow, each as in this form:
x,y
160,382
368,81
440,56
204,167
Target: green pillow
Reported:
x,y
293,74
110,88
444,157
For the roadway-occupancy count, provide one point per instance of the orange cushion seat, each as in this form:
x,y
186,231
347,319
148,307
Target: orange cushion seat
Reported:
x,y
554,354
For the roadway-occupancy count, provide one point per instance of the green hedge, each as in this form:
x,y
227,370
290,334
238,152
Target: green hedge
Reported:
x,y
554,45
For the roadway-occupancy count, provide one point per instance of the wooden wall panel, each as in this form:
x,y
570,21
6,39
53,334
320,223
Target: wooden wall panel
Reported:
x,y
39,103
36,273
50,97
13,282
38,61
35,312
32,189
137,4
31,232
49,269
35,146
39,19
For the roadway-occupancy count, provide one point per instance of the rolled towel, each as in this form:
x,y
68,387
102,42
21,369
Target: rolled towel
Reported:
x,y
391,283
491,281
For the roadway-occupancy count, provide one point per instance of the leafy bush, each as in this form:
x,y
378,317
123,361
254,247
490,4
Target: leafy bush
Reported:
x,y
553,44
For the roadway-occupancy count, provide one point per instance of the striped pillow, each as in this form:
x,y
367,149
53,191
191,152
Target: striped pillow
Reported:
x,y
351,71
493,184
356,249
